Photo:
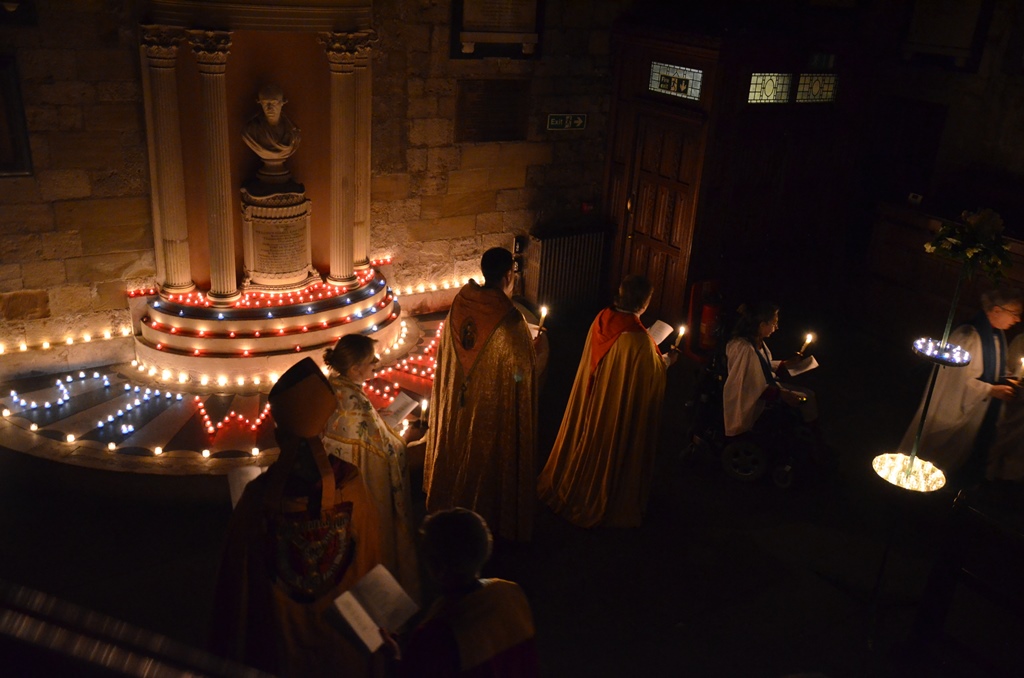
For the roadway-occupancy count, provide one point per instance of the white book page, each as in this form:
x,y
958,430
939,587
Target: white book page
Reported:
x,y
805,364
384,599
364,626
394,413
660,331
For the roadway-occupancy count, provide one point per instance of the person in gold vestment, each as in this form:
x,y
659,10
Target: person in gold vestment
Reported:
x,y
481,444
600,468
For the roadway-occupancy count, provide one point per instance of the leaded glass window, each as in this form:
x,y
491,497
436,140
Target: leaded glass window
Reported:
x,y
769,88
677,81
816,87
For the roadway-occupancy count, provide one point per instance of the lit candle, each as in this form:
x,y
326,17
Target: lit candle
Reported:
x,y
1021,368
807,342
543,314
679,337
423,407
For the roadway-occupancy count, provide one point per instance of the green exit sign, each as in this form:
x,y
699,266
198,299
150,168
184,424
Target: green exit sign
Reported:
x,y
567,120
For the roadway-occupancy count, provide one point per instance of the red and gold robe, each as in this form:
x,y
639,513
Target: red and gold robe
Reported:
x,y
600,468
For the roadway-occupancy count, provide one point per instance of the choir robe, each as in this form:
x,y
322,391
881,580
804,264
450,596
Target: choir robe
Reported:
x,y
601,465
1006,458
481,442
743,394
959,404
487,633
357,434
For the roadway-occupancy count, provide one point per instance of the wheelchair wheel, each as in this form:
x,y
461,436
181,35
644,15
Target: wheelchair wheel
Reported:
x,y
744,460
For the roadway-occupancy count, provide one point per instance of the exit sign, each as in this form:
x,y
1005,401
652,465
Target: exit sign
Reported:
x,y
567,121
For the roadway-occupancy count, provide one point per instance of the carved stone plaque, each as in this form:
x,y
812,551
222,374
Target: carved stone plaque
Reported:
x,y
275,235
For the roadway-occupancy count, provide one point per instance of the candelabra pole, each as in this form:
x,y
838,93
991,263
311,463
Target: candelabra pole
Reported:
x,y
924,413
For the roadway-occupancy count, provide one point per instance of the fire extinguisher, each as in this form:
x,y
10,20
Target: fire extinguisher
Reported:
x,y
709,325
705,316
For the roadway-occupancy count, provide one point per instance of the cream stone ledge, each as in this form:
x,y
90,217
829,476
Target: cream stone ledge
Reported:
x,y
254,331
93,454
254,372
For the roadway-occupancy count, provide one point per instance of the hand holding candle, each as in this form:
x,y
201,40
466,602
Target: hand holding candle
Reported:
x,y
679,337
807,342
543,314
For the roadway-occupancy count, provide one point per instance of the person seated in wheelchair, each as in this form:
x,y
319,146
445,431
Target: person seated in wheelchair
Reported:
x,y
755,401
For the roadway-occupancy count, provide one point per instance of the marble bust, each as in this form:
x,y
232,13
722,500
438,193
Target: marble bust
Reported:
x,y
272,135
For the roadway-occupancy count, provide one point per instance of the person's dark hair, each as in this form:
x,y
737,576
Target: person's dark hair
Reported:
x,y
1000,296
495,263
456,544
634,293
350,350
751,316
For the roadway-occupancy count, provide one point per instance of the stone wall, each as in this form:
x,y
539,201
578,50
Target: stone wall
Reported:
x,y
438,204
78,231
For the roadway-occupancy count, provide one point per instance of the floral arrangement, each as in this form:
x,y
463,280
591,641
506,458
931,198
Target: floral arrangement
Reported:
x,y
976,240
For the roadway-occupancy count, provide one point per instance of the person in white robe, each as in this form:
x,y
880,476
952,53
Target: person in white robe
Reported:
x,y
1006,458
752,383
357,434
967,401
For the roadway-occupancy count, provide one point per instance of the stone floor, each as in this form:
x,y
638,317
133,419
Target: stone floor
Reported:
x,y
723,579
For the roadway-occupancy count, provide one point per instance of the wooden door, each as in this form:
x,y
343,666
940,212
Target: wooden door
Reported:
x,y
657,220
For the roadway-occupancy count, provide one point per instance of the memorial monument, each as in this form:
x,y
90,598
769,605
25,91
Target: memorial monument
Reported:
x,y
275,211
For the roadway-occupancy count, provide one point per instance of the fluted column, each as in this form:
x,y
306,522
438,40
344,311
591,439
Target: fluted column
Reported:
x,y
160,46
211,49
342,50
363,113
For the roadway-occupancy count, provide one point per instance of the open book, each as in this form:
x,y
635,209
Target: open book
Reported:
x,y
377,601
660,331
805,364
394,413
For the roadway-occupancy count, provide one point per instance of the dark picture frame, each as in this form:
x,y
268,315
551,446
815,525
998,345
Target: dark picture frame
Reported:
x,y
15,154
496,28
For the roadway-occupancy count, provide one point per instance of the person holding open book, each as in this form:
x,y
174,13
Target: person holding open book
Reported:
x,y
478,627
753,397
358,434
601,466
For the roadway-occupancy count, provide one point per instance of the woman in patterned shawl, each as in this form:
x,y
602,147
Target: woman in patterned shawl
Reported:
x,y
357,434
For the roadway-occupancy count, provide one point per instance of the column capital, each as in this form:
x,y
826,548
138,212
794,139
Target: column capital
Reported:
x,y
346,48
211,48
161,42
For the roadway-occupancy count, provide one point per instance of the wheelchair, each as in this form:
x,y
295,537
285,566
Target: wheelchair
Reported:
x,y
780,447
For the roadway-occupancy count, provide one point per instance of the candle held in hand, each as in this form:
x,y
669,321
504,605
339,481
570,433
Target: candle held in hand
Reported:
x,y
807,342
423,407
679,337
543,314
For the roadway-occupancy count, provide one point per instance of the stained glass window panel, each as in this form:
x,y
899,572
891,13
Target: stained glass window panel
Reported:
x,y
769,88
816,87
677,81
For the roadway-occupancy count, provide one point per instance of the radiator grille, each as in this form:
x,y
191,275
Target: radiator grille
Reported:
x,y
564,268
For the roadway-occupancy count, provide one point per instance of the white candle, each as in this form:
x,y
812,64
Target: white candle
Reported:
x,y
679,337
807,342
543,314
423,407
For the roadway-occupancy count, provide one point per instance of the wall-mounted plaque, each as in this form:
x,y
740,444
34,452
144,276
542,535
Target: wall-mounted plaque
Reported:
x,y
495,28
